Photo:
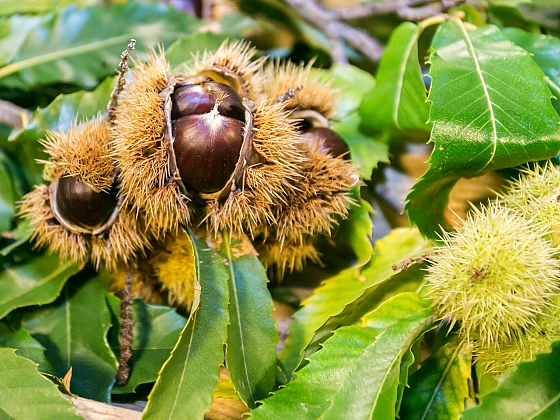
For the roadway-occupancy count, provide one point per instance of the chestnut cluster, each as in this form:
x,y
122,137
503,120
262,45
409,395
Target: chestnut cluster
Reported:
x,y
234,144
239,145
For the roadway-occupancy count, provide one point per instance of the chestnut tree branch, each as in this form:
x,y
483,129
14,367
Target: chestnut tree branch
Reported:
x,y
12,115
340,34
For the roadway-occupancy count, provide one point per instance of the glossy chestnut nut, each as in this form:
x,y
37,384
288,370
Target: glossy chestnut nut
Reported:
x,y
330,142
208,123
79,205
201,98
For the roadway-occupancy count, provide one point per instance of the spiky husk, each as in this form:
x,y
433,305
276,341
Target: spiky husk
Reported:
x,y
174,265
47,231
524,347
535,195
321,198
142,153
494,276
145,283
83,151
277,149
280,259
122,242
235,57
311,90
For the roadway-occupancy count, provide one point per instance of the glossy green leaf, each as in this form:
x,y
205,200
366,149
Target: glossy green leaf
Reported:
x,y
26,394
25,345
439,389
73,331
252,333
35,282
532,391
186,383
336,293
491,109
545,50
59,115
156,331
399,282
356,373
366,151
70,47
10,191
398,101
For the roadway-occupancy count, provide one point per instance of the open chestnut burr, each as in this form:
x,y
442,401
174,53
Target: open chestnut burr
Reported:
x,y
79,215
206,145
328,173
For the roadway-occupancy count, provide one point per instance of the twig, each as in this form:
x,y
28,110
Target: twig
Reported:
x,y
329,20
121,81
421,13
12,115
372,9
126,330
337,31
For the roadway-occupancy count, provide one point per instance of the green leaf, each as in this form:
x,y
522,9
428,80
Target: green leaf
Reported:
x,y
366,152
25,345
406,362
73,331
69,47
409,280
356,373
10,7
532,391
336,293
439,389
355,231
352,83
508,3
545,50
398,101
186,383
21,235
182,51
252,333
26,394
10,191
491,110
156,331
59,115
35,282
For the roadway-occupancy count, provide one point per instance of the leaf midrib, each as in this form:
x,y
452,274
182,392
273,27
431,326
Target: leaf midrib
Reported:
x,y
238,315
440,382
55,55
472,53
401,72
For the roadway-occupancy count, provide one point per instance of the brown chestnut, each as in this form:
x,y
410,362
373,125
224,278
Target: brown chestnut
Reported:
x,y
76,205
208,127
330,142
201,98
